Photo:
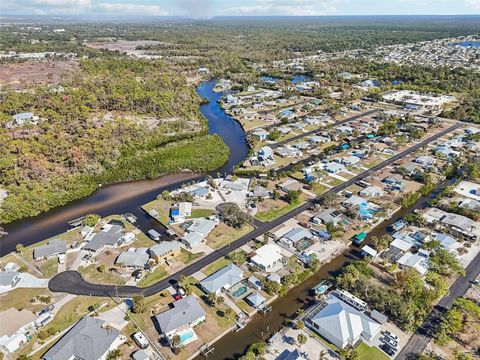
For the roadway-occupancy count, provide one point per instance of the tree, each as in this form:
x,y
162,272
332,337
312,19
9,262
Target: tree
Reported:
x,y
102,268
381,243
19,248
139,304
166,195
91,220
233,216
322,355
445,263
176,342
228,312
313,262
212,299
349,354
348,279
113,354
293,196
302,339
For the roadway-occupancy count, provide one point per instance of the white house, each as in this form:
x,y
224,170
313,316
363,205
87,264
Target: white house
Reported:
x,y
268,258
15,327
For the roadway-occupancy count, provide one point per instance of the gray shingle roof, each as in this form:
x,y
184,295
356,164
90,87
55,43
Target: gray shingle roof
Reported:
x,y
6,277
184,312
133,257
87,340
298,234
225,277
53,247
103,238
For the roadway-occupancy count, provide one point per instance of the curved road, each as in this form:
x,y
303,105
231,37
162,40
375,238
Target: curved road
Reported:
x,y
73,283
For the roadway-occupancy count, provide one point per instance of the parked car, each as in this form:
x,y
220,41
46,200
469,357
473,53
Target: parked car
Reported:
x,y
389,341
390,335
387,350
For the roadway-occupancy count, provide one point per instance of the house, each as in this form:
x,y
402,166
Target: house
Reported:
x,y
164,250
395,182
9,279
287,151
296,235
411,168
263,157
88,339
222,279
468,189
316,139
446,152
256,300
16,325
290,185
345,75
344,130
349,160
254,282
330,215
111,235
268,258
425,161
371,191
51,248
418,261
197,230
179,212
446,241
199,192
185,314
21,119
401,245
140,355
340,323
334,167
260,192
261,134
135,258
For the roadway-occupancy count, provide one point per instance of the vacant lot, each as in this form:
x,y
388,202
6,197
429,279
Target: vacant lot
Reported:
x,y
30,74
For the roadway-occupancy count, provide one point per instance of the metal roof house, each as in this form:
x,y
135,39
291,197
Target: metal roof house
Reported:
x,y
186,313
340,323
86,340
224,278
164,249
295,235
256,299
134,257
53,247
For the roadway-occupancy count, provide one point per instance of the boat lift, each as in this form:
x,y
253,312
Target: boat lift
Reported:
x,y
206,350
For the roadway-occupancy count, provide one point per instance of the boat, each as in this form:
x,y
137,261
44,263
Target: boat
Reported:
x,y
358,239
321,289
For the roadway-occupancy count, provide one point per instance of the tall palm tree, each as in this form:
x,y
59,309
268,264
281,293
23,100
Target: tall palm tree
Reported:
x,y
322,355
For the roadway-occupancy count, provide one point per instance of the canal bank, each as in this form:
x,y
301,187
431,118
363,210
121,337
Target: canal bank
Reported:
x,y
130,196
261,327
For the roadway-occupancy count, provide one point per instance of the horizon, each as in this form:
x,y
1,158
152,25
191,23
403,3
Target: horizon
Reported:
x,y
211,9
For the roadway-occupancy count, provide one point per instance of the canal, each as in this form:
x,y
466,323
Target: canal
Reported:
x,y
233,345
129,196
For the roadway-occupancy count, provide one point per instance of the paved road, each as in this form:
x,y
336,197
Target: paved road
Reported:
x,y
311,132
73,283
419,341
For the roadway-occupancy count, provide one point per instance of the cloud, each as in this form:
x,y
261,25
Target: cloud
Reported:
x,y
286,7
43,7
473,4
132,9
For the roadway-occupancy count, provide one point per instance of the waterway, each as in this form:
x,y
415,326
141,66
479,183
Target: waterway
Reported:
x,y
233,345
475,44
129,196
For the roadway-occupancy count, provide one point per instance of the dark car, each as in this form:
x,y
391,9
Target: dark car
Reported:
x,y
387,349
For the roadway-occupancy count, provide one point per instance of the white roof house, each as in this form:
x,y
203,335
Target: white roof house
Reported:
x,y
371,191
340,323
224,278
401,245
418,261
268,258
14,326
468,189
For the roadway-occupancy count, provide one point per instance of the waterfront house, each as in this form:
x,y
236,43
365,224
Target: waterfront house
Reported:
x,y
222,279
256,300
340,323
180,320
260,134
371,191
268,258
111,235
295,236
418,261
51,248
330,215
179,212
88,339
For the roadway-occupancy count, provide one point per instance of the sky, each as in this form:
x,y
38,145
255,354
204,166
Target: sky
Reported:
x,y
211,8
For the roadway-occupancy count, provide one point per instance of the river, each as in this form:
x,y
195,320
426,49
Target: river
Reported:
x,y
129,196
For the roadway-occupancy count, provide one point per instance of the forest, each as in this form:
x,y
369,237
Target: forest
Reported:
x,y
117,119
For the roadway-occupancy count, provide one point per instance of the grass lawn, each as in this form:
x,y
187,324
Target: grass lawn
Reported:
x,y
318,189
224,234
366,352
215,266
91,273
48,267
187,257
158,274
335,182
275,212
199,213
20,299
162,207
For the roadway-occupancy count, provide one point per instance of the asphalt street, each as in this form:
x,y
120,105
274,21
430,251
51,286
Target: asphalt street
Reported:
x,y
419,341
311,132
73,283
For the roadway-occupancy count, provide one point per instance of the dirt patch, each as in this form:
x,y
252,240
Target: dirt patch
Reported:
x,y
30,74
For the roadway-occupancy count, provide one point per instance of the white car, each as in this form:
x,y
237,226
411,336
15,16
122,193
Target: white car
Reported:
x,y
390,335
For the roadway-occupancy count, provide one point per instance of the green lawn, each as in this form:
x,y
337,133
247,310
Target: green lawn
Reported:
x,y
366,352
318,189
199,213
49,267
187,257
215,266
91,273
20,299
276,212
224,234
151,278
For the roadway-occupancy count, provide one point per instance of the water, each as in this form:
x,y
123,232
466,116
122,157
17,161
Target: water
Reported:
x,y
297,78
129,196
475,44
234,344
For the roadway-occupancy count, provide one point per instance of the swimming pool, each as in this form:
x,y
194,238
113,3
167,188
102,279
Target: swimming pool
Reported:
x,y
186,336
240,291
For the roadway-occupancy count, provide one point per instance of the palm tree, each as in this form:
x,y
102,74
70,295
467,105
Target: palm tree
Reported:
x,y
322,355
